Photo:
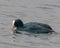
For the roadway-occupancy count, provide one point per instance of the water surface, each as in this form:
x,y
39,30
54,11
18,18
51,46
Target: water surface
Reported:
x,y
43,11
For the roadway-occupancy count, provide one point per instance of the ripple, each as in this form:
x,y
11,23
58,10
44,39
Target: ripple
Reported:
x,y
10,44
53,5
44,7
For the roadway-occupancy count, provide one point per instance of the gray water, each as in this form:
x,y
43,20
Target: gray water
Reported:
x,y
43,11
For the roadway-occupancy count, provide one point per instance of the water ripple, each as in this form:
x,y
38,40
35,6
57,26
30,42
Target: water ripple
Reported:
x,y
44,7
53,5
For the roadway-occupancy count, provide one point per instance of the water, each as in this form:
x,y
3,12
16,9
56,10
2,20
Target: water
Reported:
x,y
43,11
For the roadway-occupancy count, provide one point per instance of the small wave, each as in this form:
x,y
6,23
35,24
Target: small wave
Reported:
x,y
53,5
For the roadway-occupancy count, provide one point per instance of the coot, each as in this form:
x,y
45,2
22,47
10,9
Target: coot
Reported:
x,y
31,27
